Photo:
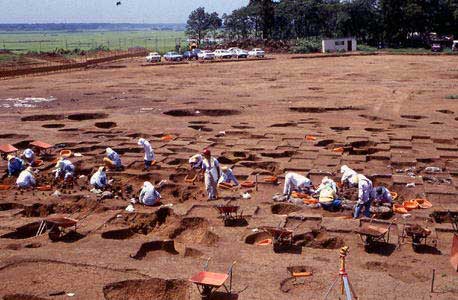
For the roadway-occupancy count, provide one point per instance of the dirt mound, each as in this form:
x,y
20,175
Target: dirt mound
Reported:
x,y
284,208
42,118
201,112
322,240
194,230
87,116
105,125
166,246
155,288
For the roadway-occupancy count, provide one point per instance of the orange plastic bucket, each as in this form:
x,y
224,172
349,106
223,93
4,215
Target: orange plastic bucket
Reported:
x,y
338,150
167,138
248,184
423,203
264,242
410,204
44,188
310,138
271,179
66,153
399,209
4,187
300,195
310,201
394,195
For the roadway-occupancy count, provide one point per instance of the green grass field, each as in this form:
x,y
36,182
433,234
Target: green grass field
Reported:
x,y
46,41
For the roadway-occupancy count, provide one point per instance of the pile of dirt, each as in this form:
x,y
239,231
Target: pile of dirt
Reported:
x,y
155,288
322,240
194,230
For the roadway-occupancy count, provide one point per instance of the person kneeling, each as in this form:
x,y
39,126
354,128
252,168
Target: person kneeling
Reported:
x,y
26,179
99,179
149,195
328,199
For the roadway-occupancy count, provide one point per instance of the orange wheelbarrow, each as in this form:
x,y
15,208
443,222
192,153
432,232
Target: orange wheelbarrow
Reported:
x,y
208,282
229,213
371,235
56,227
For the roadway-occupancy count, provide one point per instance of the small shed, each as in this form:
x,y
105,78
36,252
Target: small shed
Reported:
x,y
338,45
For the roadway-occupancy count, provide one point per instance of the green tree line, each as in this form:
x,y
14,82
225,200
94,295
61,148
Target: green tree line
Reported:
x,y
391,22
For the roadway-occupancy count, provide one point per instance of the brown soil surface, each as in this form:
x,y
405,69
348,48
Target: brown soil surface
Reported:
x,y
389,113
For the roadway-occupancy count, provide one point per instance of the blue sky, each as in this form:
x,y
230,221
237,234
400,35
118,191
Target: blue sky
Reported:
x,y
88,11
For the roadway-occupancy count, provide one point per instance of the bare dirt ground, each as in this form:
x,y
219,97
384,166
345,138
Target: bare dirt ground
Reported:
x,y
390,113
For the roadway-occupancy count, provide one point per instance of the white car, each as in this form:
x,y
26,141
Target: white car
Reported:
x,y
238,53
153,57
221,53
205,54
455,45
173,56
256,52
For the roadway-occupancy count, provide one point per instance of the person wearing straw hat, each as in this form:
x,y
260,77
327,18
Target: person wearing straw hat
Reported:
x,y
29,156
26,179
212,173
15,165
99,179
328,197
227,176
64,169
113,160
149,153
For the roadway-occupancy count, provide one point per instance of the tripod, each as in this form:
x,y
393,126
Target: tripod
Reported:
x,y
345,286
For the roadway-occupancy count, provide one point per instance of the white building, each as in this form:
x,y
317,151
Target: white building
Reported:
x,y
338,45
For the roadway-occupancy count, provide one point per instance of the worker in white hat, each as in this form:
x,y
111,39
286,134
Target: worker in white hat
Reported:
x,y
29,156
99,179
195,161
15,165
227,176
64,169
149,195
212,173
365,194
113,160
149,153
296,182
346,173
26,179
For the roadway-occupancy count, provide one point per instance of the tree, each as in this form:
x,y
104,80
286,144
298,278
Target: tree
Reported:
x,y
265,9
200,23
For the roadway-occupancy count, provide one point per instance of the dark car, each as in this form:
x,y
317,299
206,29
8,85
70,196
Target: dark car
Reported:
x,y
190,55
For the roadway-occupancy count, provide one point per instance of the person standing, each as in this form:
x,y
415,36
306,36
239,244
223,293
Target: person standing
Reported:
x,y
149,153
212,173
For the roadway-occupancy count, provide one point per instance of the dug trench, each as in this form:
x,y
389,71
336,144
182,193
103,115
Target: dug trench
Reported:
x,y
164,223
154,288
201,112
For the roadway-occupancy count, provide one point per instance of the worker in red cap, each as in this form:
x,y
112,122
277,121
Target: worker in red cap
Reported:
x,y
212,171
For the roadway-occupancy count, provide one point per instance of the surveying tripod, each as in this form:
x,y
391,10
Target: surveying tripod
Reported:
x,y
345,286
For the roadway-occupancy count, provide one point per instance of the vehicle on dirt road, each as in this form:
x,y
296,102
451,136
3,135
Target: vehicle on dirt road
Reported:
x,y
436,48
206,55
153,57
173,56
238,53
221,53
190,55
256,52
455,45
